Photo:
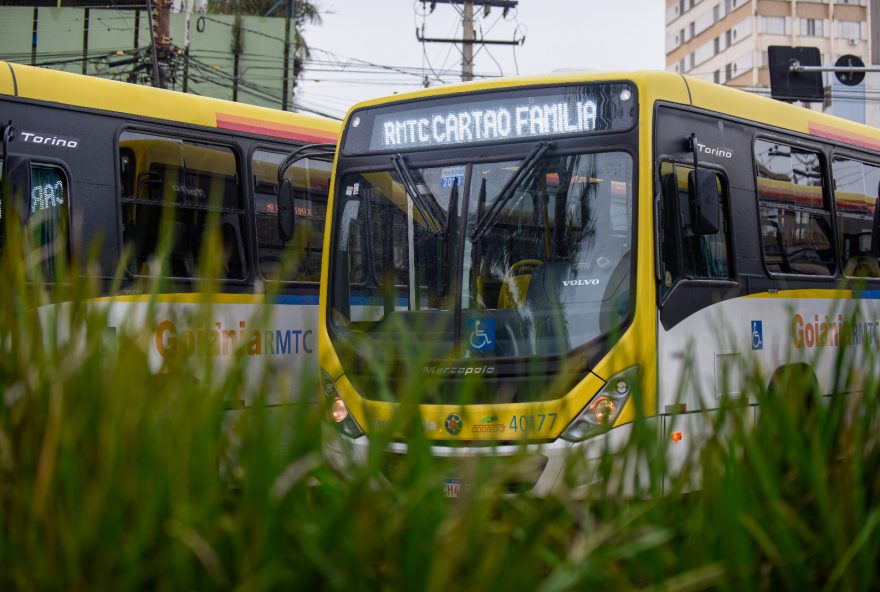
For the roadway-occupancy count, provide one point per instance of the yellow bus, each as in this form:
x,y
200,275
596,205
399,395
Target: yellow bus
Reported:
x,y
92,167
575,238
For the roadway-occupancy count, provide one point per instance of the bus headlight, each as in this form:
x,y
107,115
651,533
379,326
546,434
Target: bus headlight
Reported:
x,y
602,411
339,414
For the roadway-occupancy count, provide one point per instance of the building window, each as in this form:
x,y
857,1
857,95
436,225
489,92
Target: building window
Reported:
x,y
812,27
716,13
716,76
849,29
716,46
771,25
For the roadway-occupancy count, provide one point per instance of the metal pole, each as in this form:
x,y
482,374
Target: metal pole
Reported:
x,y
85,60
796,67
467,43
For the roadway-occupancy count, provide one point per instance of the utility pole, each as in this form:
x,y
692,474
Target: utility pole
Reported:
x,y
468,38
289,24
467,42
159,13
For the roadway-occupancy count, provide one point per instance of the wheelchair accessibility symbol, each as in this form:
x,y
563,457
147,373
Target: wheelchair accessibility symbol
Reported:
x,y
481,334
757,335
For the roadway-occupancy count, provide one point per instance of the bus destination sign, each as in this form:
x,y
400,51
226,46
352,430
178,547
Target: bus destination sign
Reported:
x,y
516,115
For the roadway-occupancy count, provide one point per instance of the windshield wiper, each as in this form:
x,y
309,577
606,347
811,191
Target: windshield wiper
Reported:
x,y
525,168
429,210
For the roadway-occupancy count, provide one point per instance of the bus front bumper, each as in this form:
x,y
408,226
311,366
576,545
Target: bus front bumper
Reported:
x,y
538,469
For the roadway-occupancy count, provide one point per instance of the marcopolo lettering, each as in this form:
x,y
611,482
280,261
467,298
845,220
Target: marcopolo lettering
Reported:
x,y
49,140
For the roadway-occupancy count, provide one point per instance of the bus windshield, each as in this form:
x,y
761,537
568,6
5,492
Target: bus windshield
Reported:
x,y
513,261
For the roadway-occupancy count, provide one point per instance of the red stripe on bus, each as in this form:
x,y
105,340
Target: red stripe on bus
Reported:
x,y
837,135
277,130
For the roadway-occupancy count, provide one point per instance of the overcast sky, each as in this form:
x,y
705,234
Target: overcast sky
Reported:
x,y
559,34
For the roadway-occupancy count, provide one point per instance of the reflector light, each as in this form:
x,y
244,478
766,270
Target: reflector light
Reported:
x,y
677,436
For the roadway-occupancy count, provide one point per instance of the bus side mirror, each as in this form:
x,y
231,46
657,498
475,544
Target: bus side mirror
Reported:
x,y
15,186
286,210
705,201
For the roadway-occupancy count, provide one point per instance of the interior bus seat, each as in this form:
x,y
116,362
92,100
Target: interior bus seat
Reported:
x,y
515,284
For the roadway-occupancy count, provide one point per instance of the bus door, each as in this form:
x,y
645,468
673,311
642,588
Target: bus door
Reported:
x,y
698,363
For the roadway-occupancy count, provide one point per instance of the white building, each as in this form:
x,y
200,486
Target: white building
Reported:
x,y
726,41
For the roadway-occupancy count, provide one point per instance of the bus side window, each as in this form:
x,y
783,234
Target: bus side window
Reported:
x,y
311,184
172,185
685,254
855,194
795,220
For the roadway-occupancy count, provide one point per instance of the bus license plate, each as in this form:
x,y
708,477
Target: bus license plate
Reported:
x,y
452,488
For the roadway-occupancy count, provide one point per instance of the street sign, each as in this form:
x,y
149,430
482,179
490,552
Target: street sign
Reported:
x,y
787,84
850,61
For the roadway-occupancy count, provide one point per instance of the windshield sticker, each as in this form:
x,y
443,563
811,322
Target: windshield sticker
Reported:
x,y
452,176
454,424
481,334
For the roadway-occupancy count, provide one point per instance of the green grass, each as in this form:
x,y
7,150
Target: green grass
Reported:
x,y
115,477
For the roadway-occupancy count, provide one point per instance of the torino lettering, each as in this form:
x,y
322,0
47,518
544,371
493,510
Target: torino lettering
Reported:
x,y
831,332
220,341
491,124
33,138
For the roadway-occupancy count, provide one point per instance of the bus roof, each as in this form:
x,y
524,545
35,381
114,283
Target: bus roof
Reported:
x,y
120,97
685,90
